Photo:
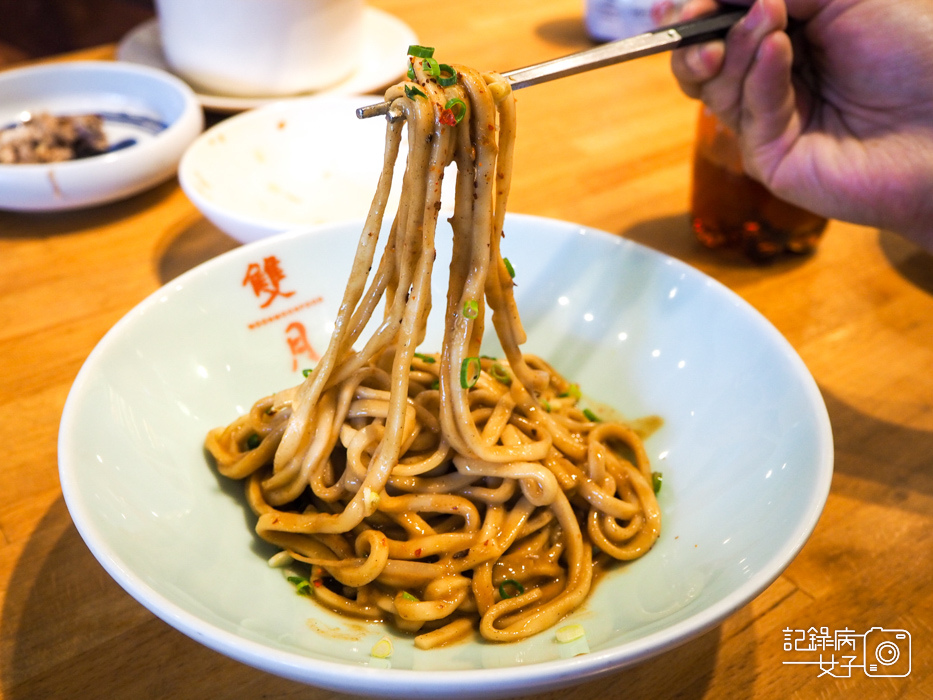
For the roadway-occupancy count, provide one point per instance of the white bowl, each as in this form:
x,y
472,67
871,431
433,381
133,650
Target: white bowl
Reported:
x,y
154,109
745,449
288,165
277,49
382,59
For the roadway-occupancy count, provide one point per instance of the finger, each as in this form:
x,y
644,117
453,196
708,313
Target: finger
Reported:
x,y
723,93
695,8
805,9
769,121
695,65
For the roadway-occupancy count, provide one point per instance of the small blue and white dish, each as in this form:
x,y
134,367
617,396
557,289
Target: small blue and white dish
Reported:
x,y
149,119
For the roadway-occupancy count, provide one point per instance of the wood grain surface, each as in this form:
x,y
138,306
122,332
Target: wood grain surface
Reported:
x,y
612,150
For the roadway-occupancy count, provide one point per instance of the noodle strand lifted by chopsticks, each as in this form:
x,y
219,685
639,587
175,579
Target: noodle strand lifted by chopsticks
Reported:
x,y
441,492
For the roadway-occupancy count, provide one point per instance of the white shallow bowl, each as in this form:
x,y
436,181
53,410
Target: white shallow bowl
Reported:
x,y
746,452
291,164
154,109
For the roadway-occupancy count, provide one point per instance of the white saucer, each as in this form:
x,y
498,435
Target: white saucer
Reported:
x,y
386,41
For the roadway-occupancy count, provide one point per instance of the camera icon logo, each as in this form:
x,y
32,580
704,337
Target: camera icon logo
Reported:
x,y
886,653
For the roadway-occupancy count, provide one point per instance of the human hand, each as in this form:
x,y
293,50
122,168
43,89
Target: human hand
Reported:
x,y
835,115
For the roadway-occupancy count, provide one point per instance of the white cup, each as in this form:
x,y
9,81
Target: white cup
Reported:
x,y
261,48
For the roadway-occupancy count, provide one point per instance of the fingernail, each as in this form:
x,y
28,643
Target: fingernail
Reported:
x,y
705,60
694,59
756,15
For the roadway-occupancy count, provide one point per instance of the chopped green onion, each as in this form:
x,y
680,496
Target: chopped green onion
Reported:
x,y
657,478
425,358
569,633
500,374
508,266
420,51
459,113
280,559
411,72
307,371
546,406
382,649
469,366
302,584
409,597
510,588
411,92
573,391
448,75
436,384
253,441
429,66
471,309
370,499
590,415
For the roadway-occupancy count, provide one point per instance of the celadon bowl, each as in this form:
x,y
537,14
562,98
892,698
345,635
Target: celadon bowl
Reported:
x,y
745,450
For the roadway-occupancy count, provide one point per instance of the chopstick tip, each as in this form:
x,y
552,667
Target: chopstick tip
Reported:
x,y
375,110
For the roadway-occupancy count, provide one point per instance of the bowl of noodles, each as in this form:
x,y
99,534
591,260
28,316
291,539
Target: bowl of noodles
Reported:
x,y
742,441
324,458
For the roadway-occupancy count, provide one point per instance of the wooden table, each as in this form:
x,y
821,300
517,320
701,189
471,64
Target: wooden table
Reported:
x,y
611,150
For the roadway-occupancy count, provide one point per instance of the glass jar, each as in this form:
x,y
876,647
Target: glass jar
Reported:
x,y
731,210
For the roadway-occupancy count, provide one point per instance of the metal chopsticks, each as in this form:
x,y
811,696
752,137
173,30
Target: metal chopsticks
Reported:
x,y
695,31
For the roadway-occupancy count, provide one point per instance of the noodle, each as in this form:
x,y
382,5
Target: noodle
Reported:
x,y
444,492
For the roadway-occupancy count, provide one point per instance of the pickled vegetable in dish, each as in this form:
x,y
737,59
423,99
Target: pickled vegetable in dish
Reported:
x,y
46,138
